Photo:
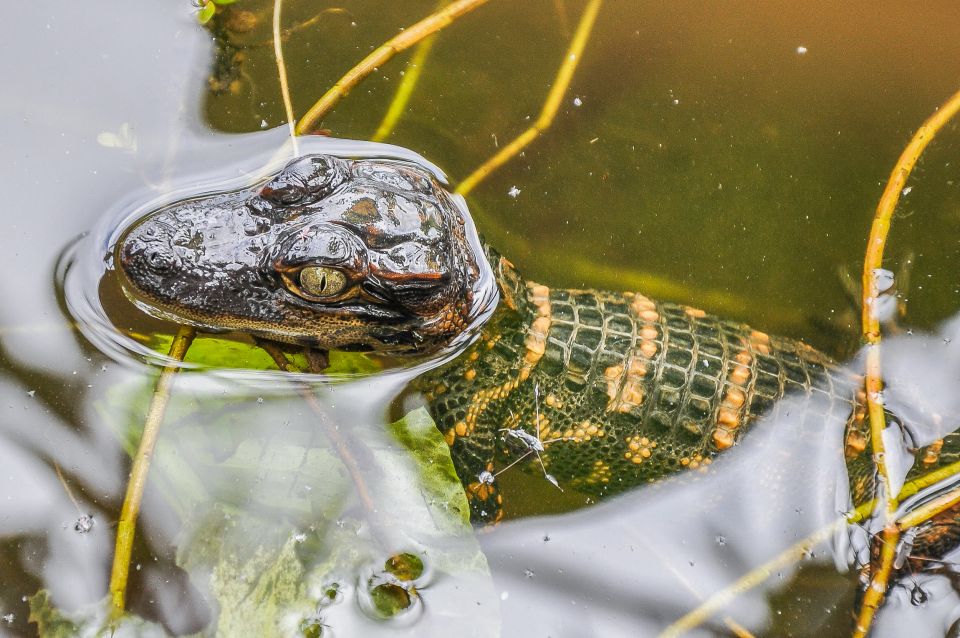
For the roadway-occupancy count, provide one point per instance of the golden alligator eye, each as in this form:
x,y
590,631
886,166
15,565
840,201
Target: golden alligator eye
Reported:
x,y
320,281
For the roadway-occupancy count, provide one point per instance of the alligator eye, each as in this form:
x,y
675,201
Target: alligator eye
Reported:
x,y
320,281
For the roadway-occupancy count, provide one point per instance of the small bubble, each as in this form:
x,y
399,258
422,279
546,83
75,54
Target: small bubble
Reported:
x,y
299,537
32,393
528,573
577,101
263,124
801,50
721,540
486,478
546,538
906,191
259,399
513,192
9,618
504,595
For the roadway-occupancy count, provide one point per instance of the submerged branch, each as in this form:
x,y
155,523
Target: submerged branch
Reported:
x,y
380,56
126,528
282,73
550,106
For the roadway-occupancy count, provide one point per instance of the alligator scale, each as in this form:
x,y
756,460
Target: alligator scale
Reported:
x,y
611,389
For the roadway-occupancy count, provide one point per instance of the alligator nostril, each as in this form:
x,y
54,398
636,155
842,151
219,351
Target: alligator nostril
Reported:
x,y
160,259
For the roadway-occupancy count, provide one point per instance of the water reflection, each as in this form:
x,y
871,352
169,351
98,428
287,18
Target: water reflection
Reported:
x,y
637,563
271,490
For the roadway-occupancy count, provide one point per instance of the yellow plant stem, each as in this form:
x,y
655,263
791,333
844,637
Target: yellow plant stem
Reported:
x,y
873,260
748,581
404,40
409,83
282,73
550,106
928,510
126,528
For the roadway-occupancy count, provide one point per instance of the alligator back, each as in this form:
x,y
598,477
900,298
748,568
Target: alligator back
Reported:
x,y
612,390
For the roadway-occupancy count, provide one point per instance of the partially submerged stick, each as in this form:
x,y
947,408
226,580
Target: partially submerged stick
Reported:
x,y
126,528
404,40
873,260
550,106
282,73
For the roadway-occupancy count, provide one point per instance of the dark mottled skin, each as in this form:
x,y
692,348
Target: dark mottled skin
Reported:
x,y
220,261
612,389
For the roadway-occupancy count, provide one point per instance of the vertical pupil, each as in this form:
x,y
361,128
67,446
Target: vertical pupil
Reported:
x,y
323,282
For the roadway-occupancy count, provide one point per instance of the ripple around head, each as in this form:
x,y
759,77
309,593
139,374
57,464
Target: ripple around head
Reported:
x,y
88,259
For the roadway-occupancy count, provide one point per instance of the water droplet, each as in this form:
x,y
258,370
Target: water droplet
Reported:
x,y
906,191
553,480
263,124
486,478
801,50
577,101
528,573
504,595
513,192
259,399
32,393
9,618
84,524
883,279
721,540
546,538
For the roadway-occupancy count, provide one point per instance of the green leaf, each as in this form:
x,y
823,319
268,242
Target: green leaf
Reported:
x,y
418,433
216,352
206,12
224,1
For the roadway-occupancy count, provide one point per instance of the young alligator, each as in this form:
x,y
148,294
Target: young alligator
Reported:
x,y
610,389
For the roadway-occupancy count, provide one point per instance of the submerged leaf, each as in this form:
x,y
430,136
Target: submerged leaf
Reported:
x,y
216,352
92,621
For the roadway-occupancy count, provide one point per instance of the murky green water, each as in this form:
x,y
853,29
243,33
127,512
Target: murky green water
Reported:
x,y
728,156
